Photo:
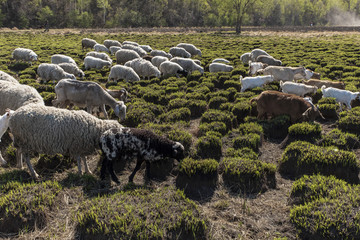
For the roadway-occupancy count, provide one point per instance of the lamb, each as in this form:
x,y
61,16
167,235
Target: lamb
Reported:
x,y
168,68
255,66
125,55
131,43
4,124
50,130
157,60
24,54
257,52
143,68
190,48
269,60
119,72
88,43
341,96
274,103
100,55
220,60
121,94
49,71
100,48
147,48
245,58
298,89
7,77
144,145
309,74
160,53
327,83
188,64
114,49
179,52
283,73
253,82
137,49
220,67
87,94
60,58
73,69
93,62
108,43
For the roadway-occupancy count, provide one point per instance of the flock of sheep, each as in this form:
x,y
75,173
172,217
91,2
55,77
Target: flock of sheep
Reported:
x,y
76,133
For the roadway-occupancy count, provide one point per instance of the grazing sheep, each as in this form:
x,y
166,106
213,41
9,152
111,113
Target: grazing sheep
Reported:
x,y
257,52
220,60
114,49
309,74
298,89
269,60
144,145
179,52
327,83
50,71
160,53
119,72
220,67
7,77
24,54
60,58
255,66
100,55
190,48
108,43
88,43
93,62
100,48
50,130
4,124
130,43
245,58
341,96
121,94
168,68
143,68
157,60
147,48
253,82
125,55
188,64
137,49
73,69
87,94
283,73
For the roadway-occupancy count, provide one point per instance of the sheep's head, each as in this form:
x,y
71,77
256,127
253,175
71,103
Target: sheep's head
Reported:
x,y
80,73
33,57
182,72
312,113
178,151
71,76
198,52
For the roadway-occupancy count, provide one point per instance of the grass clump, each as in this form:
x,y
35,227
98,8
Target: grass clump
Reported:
x,y
214,115
251,140
164,213
350,121
219,127
209,146
300,158
179,114
345,141
247,175
241,110
241,153
192,167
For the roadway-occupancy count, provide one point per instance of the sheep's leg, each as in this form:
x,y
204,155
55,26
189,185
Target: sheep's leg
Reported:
x,y
104,111
112,173
148,175
103,168
78,159
340,106
137,167
32,170
2,160
19,159
87,169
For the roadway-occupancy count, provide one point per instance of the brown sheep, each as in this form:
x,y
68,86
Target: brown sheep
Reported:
x,y
274,103
327,83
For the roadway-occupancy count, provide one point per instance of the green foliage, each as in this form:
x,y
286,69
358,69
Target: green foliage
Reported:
x,y
251,140
345,141
305,131
215,102
180,114
209,146
350,121
192,167
241,110
213,115
241,153
219,127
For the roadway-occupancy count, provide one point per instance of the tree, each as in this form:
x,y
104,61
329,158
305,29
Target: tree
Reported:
x,y
103,4
240,7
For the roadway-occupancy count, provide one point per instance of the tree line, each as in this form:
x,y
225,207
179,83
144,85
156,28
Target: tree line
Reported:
x,y
175,13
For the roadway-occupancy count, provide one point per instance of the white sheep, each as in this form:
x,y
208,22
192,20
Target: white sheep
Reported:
x,y
188,64
50,130
308,73
283,73
73,69
119,72
157,60
130,42
24,54
108,43
341,96
257,52
220,67
269,60
49,71
86,94
179,52
255,66
7,77
220,60
114,49
61,58
143,68
245,58
100,48
4,124
88,43
160,53
137,49
253,82
93,62
298,89
125,55
101,55
168,68
190,48
147,48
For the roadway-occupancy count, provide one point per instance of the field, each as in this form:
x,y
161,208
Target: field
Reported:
x,y
242,178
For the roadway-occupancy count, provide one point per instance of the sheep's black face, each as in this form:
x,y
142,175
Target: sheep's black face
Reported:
x,y
183,72
178,151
